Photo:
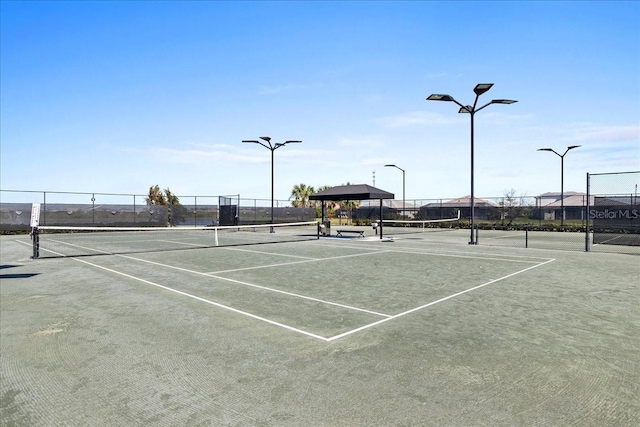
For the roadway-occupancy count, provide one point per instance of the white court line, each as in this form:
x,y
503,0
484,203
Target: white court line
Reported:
x,y
74,246
482,257
257,267
435,302
265,288
245,283
459,254
295,262
225,307
512,236
333,338
607,241
177,242
229,248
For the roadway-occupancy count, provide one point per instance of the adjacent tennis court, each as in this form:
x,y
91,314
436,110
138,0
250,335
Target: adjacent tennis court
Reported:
x,y
285,329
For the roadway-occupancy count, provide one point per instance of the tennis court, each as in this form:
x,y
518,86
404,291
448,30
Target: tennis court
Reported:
x,y
421,329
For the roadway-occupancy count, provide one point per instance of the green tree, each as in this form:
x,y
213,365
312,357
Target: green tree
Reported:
x,y
512,207
329,205
301,193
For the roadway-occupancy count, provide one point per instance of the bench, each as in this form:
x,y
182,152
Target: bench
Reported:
x,y
360,232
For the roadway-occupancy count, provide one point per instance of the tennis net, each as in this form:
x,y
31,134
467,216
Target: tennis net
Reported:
x,y
397,227
61,241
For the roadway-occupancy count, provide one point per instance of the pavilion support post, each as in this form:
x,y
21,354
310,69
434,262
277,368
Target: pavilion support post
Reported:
x,y
381,227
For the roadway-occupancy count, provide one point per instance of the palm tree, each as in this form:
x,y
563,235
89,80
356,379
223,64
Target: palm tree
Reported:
x,y
176,212
350,205
156,197
301,193
331,206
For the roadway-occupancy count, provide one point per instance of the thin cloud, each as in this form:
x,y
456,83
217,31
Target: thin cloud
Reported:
x,y
434,76
210,146
274,90
190,156
609,133
361,142
418,118
595,136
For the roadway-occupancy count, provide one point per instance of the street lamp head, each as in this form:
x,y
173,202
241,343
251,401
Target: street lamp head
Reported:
x,y
282,144
266,138
439,97
466,109
482,88
571,147
503,101
394,166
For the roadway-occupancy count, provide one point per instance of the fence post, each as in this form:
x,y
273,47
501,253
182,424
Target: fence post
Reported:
x,y
586,229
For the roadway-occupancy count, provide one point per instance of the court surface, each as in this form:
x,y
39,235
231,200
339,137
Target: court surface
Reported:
x,y
418,330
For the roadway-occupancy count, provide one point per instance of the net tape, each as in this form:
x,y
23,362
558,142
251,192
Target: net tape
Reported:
x,y
415,226
60,241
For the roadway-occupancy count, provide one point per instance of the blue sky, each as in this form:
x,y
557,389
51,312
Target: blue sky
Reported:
x,y
114,97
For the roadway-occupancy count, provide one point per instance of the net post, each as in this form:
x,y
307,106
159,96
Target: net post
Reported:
x,y
35,238
318,231
215,236
35,232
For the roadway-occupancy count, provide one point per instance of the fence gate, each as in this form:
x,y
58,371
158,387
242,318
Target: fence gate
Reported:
x,y
614,209
228,209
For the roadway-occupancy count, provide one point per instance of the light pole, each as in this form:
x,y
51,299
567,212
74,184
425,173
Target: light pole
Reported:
x,y
397,167
272,147
571,147
472,110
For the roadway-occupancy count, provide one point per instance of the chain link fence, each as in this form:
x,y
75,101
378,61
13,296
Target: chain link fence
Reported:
x,y
605,219
614,212
122,210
